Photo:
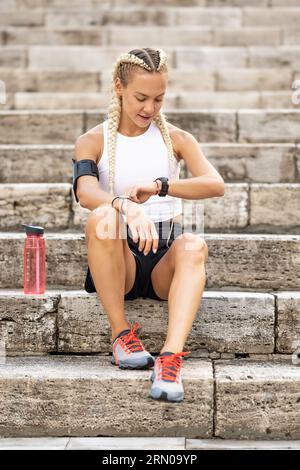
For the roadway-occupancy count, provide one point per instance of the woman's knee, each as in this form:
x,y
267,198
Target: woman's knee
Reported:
x,y
192,246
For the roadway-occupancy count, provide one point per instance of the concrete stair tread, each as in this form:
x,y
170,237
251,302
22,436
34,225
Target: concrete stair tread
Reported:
x,y
240,210
64,4
207,125
236,162
209,79
95,58
142,443
228,323
174,100
262,35
83,395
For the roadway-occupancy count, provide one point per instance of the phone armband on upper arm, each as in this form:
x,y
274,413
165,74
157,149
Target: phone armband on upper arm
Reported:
x,y
82,168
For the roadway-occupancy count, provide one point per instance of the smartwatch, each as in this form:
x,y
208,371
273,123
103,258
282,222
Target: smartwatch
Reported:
x,y
164,186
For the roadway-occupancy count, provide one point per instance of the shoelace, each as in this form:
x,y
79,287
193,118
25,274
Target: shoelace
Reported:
x,y
170,365
131,340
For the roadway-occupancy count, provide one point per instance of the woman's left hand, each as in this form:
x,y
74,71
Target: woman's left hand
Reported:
x,y
141,193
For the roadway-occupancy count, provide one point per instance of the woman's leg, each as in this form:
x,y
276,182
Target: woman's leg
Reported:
x,y
112,264
179,277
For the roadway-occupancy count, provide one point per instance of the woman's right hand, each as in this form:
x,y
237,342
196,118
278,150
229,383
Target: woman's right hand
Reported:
x,y
142,228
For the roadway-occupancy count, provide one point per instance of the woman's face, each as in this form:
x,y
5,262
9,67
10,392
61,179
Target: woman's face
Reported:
x,y
143,96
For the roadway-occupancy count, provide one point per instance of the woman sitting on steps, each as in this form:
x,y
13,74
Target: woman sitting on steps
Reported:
x,y
142,256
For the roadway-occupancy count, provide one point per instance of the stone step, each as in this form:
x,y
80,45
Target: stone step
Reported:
x,y
95,58
250,208
210,125
214,79
137,15
169,36
239,261
228,324
143,443
173,100
252,163
65,4
83,395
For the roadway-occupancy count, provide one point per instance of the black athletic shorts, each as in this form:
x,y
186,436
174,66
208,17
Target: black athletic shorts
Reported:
x,y
142,286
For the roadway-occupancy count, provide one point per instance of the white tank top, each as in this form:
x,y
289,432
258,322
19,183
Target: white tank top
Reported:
x,y
140,159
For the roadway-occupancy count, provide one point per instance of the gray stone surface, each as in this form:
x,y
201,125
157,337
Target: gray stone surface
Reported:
x,y
248,36
43,204
121,443
44,163
219,100
271,17
176,99
253,261
247,79
93,58
226,444
68,100
203,57
111,16
136,443
230,17
270,207
49,81
34,443
83,396
298,161
228,211
235,260
288,322
275,204
42,36
40,127
257,400
278,56
13,56
206,125
258,163
28,322
269,125
225,322
236,162
22,18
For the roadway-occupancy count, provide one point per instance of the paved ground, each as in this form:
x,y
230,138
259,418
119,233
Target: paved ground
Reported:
x,y
141,443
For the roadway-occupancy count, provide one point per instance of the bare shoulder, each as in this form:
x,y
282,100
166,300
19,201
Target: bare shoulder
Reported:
x,y
178,137
90,144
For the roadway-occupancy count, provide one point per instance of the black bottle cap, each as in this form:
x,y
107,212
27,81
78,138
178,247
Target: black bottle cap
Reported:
x,y
33,229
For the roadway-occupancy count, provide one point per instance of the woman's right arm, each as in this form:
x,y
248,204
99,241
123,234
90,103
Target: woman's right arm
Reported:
x,y
89,193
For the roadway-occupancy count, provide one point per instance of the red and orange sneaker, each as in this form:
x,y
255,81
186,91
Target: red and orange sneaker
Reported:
x,y
129,352
166,377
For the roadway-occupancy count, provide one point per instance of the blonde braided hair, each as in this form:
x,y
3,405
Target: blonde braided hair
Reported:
x,y
129,62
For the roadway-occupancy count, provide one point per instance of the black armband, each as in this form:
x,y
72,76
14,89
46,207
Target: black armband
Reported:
x,y
82,168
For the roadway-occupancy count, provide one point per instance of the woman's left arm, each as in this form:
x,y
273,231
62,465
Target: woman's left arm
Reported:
x,y
206,182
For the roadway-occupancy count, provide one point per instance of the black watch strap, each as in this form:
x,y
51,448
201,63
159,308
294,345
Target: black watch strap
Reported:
x,y
164,186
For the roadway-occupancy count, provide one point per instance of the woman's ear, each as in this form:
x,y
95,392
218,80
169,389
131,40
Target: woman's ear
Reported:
x,y
118,87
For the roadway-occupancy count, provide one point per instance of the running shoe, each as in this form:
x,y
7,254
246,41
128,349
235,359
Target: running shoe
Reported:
x,y
166,377
129,352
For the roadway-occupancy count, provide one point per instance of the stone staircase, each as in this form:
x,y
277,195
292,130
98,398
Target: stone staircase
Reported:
x,y
231,87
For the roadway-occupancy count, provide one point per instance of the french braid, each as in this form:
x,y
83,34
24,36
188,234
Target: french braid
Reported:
x,y
153,61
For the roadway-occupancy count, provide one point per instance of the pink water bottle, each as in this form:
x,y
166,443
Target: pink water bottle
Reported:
x,y
34,260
